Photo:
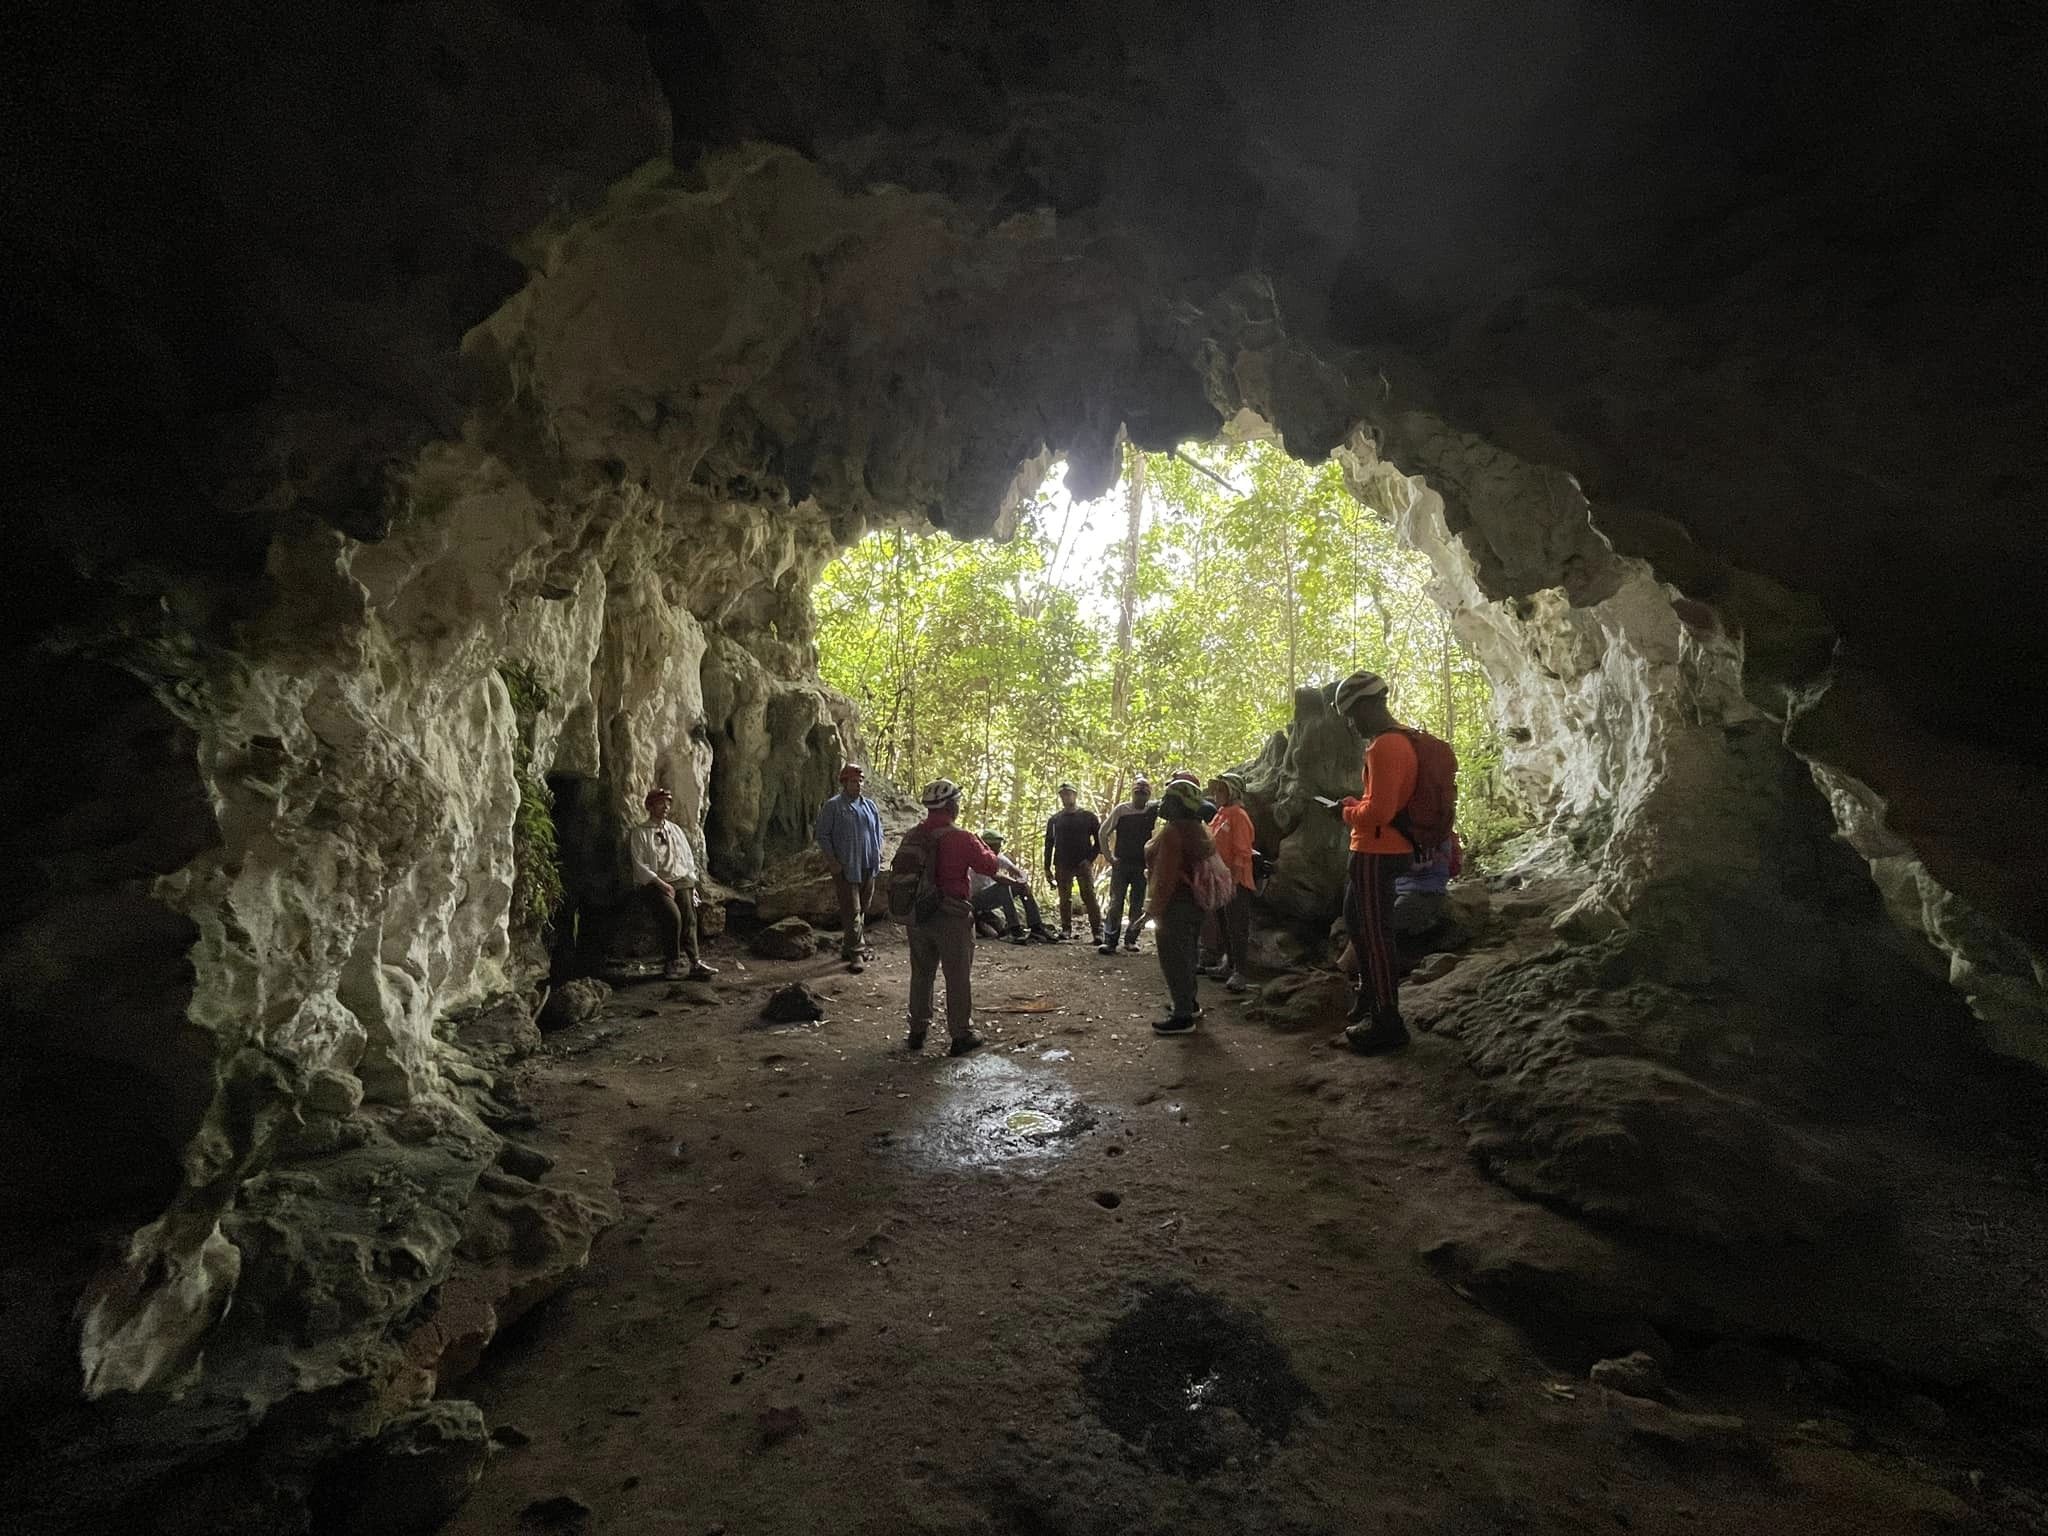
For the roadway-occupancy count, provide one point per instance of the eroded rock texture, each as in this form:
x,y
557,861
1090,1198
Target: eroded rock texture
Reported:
x,y
376,359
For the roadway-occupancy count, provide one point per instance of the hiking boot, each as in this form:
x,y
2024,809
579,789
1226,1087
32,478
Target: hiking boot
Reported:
x,y
962,1044
855,966
1019,936
914,1041
1237,981
1361,1007
673,971
699,971
1385,1033
1175,1024
1106,949
1046,936
1095,938
1130,943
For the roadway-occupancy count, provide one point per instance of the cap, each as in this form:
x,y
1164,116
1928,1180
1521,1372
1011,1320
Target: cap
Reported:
x,y
939,792
992,837
1066,788
1182,796
852,771
1359,685
657,793
1141,782
1185,776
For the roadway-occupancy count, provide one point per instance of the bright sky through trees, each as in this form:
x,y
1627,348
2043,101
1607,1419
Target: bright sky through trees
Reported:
x,y
1004,666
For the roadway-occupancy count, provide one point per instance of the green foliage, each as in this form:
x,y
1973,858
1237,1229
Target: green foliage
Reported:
x,y
995,664
536,861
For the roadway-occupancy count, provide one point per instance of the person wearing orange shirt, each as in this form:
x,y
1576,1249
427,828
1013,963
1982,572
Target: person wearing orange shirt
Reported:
x,y
1232,830
1379,853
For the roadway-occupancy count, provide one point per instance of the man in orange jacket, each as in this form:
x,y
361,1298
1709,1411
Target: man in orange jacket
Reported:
x,y
1379,853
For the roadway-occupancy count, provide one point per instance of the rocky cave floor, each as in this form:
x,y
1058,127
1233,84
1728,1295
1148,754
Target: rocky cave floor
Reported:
x,y
1094,1280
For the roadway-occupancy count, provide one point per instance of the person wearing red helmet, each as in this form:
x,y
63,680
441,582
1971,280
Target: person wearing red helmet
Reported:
x,y
665,877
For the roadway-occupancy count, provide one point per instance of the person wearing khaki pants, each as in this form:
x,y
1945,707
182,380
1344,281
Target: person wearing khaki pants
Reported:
x,y
941,855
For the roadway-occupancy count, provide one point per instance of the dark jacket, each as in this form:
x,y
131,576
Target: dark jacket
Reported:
x,y
1072,838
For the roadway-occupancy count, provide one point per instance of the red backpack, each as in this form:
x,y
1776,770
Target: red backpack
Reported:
x,y
1431,813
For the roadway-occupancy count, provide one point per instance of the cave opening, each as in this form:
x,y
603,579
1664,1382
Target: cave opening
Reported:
x,y
1163,626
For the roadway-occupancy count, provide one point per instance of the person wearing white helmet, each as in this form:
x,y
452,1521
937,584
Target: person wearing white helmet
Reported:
x,y
665,877
1379,853
936,857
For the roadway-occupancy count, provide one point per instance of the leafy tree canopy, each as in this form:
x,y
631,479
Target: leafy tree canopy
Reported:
x,y
1005,665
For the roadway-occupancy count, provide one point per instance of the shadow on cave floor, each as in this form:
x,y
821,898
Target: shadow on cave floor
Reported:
x,y
860,1292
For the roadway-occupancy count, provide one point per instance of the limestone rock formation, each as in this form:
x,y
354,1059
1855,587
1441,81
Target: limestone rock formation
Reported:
x,y
435,354
790,939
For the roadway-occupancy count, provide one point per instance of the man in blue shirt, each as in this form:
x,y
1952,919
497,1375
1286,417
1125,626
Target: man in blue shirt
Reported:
x,y
850,837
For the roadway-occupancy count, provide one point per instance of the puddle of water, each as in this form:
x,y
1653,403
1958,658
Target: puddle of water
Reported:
x,y
1193,1381
992,1111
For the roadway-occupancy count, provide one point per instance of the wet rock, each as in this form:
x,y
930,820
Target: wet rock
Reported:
x,y
1636,1375
412,1477
789,939
793,1004
1193,1381
574,1003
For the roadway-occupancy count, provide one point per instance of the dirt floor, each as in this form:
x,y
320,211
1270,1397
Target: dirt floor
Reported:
x,y
1088,1280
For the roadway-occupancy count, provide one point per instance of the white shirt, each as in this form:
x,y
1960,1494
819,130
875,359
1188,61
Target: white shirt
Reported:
x,y
977,882
660,852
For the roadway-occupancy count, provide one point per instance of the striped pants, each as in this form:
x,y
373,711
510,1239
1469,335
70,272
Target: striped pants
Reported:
x,y
1369,920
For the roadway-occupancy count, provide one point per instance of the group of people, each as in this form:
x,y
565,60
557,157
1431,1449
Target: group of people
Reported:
x,y
1184,860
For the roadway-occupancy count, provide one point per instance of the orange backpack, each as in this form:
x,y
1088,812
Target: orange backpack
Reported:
x,y
1431,814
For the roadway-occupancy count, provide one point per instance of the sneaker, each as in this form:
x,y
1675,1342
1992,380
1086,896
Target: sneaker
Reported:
x,y
673,971
1131,944
855,966
914,1041
1385,1033
1105,949
1177,1024
1361,1007
1020,937
702,972
1237,981
1045,936
965,1043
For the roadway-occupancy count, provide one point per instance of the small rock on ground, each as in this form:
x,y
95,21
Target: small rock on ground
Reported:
x,y
790,939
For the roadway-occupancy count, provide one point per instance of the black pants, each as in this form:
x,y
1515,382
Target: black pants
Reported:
x,y
1003,898
1237,929
1126,881
1369,920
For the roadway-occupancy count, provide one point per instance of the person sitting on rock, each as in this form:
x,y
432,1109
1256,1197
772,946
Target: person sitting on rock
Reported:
x,y
1379,853
1125,834
1233,834
1073,842
990,896
849,834
665,877
939,856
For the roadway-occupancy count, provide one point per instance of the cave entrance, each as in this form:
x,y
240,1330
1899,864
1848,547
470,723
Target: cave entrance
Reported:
x,y
1163,626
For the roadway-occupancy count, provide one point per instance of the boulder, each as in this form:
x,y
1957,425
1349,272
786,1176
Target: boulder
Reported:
x,y
574,1003
1304,1000
1635,1375
794,1004
790,939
